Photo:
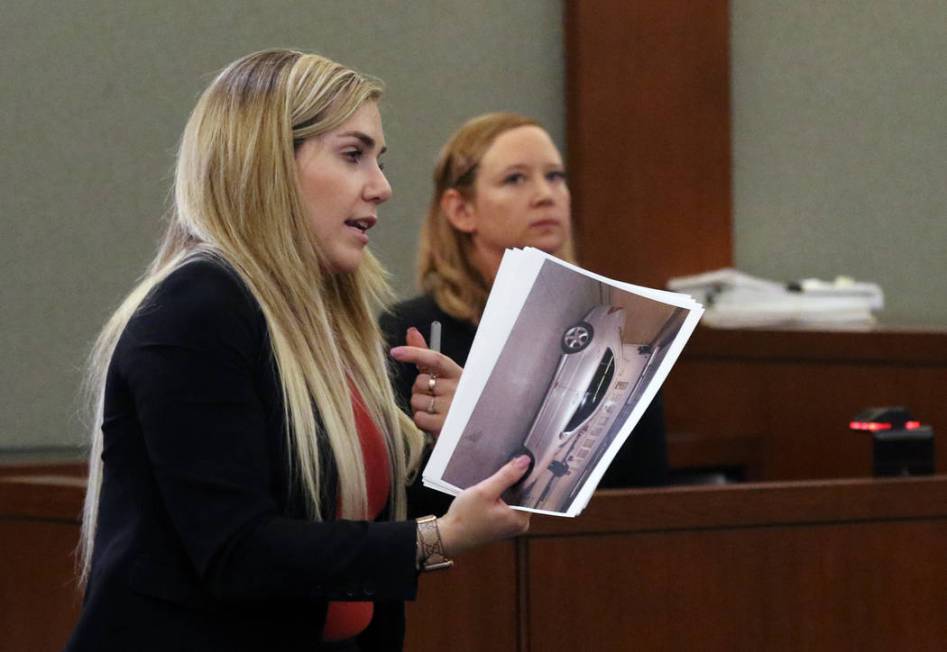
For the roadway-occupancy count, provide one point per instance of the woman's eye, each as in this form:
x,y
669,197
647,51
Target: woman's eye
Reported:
x,y
556,175
514,179
353,155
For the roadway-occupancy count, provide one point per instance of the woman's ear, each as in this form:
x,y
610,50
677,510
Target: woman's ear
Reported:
x,y
459,211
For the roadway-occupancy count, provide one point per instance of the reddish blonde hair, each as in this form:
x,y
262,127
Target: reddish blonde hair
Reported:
x,y
444,266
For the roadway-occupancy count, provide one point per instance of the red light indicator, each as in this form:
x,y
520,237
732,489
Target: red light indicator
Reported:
x,y
871,426
912,425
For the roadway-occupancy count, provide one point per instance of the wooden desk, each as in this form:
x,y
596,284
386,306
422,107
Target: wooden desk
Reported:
x,y
839,565
821,565
778,403
836,565
40,511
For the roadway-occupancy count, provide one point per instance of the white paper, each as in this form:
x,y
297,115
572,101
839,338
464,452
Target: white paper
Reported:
x,y
564,364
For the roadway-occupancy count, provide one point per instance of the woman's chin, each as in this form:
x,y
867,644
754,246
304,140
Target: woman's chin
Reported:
x,y
345,262
550,243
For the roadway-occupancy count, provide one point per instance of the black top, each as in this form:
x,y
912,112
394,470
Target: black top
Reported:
x,y
641,461
202,542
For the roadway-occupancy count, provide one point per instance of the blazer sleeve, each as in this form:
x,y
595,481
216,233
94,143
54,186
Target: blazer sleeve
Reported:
x,y
190,360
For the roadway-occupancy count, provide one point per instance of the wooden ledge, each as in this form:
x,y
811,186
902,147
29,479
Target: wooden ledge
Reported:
x,y
877,345
752,505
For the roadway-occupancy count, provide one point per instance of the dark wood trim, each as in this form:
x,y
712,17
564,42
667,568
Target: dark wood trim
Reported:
x,y
648,136
753,505
880,345
42,496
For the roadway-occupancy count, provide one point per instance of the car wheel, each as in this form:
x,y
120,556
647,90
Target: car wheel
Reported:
x,y
577,337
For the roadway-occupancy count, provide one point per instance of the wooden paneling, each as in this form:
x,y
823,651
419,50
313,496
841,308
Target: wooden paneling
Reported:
x,y
841,565
850,586
648,133
469,608
40,603
39,529
781,401
823,565
751,505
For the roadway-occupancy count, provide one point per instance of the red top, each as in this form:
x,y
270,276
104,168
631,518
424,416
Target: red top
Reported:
x,y
348,619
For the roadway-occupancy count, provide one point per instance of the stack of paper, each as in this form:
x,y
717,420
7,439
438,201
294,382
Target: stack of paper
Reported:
x,y
735,299
563,365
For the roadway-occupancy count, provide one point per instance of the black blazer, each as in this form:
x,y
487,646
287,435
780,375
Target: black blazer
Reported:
x,y
641,461
202,542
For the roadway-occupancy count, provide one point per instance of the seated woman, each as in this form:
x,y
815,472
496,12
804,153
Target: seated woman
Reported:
x,y
499,182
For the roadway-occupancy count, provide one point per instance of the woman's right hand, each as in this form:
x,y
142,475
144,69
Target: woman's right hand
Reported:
x,y
478,515
434,388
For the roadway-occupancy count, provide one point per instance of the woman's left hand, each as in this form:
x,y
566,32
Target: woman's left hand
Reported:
x,y
433,389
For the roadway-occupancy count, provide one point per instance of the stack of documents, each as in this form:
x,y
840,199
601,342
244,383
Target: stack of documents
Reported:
x,y
563,365
737,300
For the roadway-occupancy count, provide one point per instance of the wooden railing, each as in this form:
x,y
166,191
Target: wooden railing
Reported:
x,y
818,565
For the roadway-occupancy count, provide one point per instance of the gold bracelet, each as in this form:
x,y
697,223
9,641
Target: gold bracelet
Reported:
x,y
431,545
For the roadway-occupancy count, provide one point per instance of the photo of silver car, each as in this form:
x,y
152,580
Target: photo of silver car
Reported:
x,y
596,374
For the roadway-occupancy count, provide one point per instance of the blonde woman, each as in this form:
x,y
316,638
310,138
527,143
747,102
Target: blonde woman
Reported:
x,y
248,463
499,182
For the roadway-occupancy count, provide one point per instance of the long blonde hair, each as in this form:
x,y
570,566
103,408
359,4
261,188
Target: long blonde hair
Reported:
x,y
236,199
444,266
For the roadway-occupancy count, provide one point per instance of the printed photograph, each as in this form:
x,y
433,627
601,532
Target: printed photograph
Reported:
x,y
578,360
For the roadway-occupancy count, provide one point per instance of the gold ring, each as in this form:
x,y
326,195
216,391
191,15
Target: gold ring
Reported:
x,y
430,408
431,384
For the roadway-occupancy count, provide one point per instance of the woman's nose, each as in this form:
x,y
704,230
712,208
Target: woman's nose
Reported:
x,y
545,193
378,190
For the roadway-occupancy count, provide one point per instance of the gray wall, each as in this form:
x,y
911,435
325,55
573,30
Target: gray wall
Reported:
x,y
840,146
96,93
839,134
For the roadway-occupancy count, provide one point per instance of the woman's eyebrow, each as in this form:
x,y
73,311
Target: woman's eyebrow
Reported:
x,y
516,167
367,140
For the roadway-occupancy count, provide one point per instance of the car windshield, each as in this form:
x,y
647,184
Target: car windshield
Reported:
x,y
596,390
